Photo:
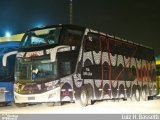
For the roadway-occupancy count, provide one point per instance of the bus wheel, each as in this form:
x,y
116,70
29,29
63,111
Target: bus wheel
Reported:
x,y
84,97
21,104
137,95
144,94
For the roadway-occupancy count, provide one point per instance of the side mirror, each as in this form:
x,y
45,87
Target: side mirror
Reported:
x,y
4,59
60,48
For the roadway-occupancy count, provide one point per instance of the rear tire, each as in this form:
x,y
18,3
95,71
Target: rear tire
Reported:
x,y
137,95
144,94
150,97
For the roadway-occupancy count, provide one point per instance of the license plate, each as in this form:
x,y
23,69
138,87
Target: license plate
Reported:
x,y
31,98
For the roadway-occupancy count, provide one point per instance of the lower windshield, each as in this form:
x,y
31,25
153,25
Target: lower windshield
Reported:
x,y
36,69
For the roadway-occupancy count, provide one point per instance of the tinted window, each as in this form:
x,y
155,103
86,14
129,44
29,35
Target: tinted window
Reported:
x,y
72,37
92,42
65,68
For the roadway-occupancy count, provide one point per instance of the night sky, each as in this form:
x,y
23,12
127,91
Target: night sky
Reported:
x,y
135,20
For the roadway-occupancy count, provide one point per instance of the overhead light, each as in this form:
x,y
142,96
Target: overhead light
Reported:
x,y
8,34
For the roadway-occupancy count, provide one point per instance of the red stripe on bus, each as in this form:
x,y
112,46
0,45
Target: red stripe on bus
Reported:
x,y
100,47
120,73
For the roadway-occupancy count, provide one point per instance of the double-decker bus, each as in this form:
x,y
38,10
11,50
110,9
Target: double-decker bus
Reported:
x,y
158,71
8,50
67,63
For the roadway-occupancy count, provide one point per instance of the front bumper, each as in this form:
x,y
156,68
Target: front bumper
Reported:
x,y
49,96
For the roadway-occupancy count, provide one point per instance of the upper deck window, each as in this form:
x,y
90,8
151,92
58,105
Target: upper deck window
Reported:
x,y
72,37
41,37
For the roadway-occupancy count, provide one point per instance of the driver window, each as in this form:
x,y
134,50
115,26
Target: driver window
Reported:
x,y
65,68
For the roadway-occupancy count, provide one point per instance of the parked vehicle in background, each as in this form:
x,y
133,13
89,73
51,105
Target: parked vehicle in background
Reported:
x,y
158,71
8,51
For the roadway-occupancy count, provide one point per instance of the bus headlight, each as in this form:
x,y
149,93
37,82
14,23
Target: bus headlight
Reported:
x,y
15,86
18,87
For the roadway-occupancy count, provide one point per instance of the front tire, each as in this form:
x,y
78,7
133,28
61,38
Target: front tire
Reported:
x,y
84,98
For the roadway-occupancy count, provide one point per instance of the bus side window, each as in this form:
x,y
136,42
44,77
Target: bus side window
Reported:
x,y
112,47
92,42
89,44
103,44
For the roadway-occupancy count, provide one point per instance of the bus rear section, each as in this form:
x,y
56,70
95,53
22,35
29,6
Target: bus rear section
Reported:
x,y
6,93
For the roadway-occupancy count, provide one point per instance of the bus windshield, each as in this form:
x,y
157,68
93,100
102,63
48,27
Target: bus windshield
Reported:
x,y
41,37
36,69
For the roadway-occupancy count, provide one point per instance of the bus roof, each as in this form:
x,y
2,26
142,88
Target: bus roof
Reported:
x,y
59,25
83,28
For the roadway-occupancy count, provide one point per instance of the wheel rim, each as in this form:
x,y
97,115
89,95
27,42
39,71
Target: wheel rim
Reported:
x,y
144,94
